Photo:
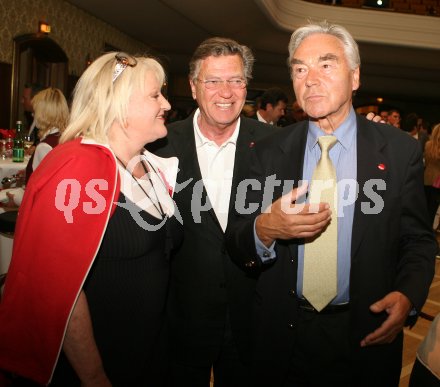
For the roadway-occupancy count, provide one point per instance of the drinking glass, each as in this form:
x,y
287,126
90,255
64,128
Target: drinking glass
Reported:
x,y
27,144
3,154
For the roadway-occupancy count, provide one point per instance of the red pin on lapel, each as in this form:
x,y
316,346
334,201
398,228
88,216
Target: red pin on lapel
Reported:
x,y
251,144
382,167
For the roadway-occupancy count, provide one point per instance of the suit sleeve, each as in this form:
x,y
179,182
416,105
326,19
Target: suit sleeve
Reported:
x,y
248,198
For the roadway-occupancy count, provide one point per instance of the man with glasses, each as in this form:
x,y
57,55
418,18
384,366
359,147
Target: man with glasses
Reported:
x,y
210,297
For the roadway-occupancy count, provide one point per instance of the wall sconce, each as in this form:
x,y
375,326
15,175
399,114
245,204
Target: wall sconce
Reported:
x,y
43,27
379,99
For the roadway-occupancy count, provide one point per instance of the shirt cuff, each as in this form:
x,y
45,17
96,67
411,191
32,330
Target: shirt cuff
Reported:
x,y
266,254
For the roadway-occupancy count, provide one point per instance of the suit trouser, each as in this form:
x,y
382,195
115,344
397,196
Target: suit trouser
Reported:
x,y
228,370
323,356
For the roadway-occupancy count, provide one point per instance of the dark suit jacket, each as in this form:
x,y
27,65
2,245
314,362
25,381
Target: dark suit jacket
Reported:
x,y
205,285
392,250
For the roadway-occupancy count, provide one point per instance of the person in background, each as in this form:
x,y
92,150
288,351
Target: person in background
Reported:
x,y
209,303
384,115
410,125
384,248
51,114
29,91
272,107
298,112
394,118
84,298
424,126
248,110
432,172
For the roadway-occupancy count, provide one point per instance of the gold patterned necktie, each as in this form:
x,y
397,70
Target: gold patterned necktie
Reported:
x,y
320,254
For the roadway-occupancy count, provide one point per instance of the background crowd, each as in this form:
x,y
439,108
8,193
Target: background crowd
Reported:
x,y
131,306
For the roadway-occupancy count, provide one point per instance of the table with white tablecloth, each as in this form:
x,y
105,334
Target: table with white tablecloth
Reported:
x,y
9,168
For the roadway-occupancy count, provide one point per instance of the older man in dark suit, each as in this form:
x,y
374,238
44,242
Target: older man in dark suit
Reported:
x,y
346,328
210,296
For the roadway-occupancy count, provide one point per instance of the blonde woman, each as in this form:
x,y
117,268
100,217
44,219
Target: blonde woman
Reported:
x,y
51,114
432,172
84,297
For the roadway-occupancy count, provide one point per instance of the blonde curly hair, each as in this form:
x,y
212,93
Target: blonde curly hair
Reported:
x,y
50,111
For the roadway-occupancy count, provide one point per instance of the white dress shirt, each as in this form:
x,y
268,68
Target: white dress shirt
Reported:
x,y
217,168
42,149
261,119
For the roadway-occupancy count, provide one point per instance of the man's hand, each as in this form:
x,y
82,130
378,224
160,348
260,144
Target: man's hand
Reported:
x,y
285,219
10,203
372,117
398,307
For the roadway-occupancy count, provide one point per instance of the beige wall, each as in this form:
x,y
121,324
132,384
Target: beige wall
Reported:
x,y
77,32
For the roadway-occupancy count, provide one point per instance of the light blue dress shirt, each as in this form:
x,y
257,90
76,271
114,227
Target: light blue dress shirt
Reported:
x,y
344,157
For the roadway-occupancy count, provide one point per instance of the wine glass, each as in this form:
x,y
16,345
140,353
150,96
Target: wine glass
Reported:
x,y
28,143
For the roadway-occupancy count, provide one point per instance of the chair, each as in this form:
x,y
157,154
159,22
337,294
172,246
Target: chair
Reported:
x,y
7,228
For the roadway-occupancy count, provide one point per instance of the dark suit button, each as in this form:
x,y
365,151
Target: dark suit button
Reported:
x,y
222,285
291,325
223,250
292,292
292,260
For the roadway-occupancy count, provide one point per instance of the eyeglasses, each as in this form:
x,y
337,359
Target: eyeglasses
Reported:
x,y
122,61
214,84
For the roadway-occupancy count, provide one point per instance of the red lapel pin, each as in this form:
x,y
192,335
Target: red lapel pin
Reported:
x,y
381,167
251,144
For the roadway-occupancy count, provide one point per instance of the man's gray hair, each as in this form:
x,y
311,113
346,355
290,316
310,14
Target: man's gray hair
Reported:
x,y
218,46
351,48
